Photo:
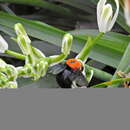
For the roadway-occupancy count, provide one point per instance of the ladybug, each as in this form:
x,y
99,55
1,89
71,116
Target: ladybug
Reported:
x,y
70,74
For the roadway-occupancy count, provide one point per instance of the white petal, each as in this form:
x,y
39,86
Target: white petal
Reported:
x,y
3,45
115,15
106,18
127,11
100,6
106,24
2,63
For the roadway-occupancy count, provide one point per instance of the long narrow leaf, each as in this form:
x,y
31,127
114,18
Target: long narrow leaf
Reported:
x,y
107,51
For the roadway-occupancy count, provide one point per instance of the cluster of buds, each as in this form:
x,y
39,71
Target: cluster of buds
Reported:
x,y
36,63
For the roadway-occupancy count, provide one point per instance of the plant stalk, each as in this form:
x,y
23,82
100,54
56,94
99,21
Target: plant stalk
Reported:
x,y
105,84
83,55
15,54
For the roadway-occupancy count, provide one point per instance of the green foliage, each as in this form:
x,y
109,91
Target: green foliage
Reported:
x,y
109,50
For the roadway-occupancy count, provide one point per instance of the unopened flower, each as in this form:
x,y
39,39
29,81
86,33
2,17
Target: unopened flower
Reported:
x,y
105,17
24,46
66,44
19,29
127,11
3,45
65,50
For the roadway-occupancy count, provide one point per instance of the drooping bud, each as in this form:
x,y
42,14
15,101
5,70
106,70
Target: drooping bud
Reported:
x,y
66,47
66,44
127,11
105,17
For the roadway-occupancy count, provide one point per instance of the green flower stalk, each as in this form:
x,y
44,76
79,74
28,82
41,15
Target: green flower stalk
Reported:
x,y
112,82
84,54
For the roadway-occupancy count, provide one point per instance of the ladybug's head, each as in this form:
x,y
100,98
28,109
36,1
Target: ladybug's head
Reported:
x,y
74,64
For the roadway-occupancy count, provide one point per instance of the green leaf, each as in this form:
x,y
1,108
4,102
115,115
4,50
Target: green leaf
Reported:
x,y
124,63
44,4
80,4
48,81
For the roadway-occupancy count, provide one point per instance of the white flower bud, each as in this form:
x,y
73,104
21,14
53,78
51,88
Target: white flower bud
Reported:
x,y
127,11
20,31
105,17
3,45
66,44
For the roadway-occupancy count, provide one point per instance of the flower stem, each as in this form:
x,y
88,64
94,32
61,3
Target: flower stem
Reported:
x,y
56,59
15,54
105,84
83,55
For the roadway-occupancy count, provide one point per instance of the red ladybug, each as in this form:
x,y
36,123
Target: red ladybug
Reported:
x,y
71,74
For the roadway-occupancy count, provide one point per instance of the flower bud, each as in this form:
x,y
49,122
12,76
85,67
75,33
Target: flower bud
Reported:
x,y
3,45
127,11
66,44
105,17
24,46
20,31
